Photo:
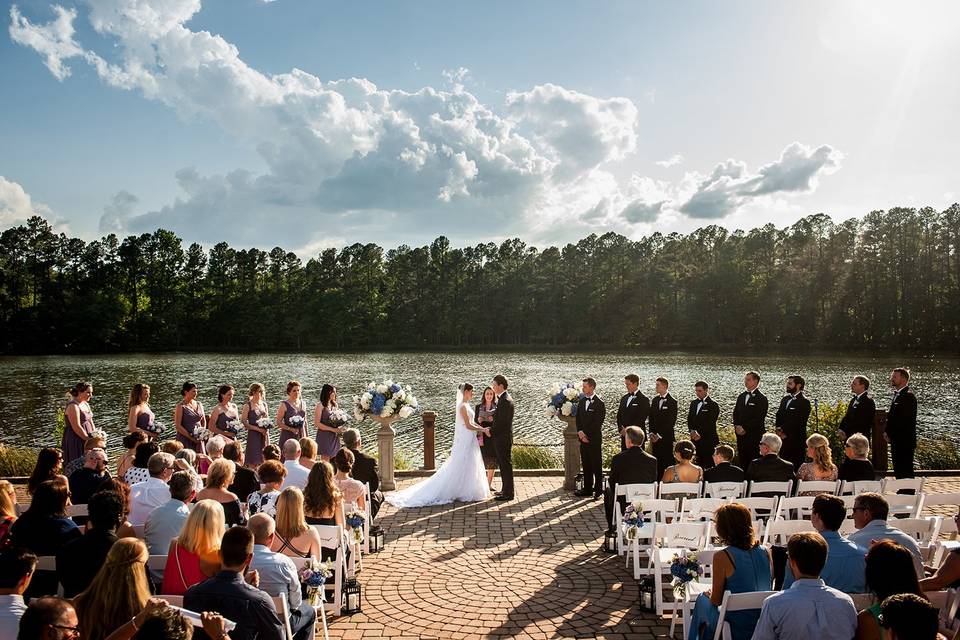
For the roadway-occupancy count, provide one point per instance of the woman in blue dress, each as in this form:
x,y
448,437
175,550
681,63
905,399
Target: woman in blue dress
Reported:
x,y
292,415
742,566
78,421
258,437
187,416
140,415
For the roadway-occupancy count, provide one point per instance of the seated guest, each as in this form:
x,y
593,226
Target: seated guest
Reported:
x,y
293,536
271,475
159,621
809,608
947,576
121,488
8,511
118,592
80,560
272,452
844,568
770,467
889,571
194,555
856,466
352,490
364,469
173,447
48,467
870,512
322,500
742,566
821,468
308,452
186,460
723,470
44,529
909,617
85,480
229,595
140,472
296,473
130,442
633,465
91,443
218,479
279,575
16,571
151,493
245,481
47,618
215,447
165,522
684,470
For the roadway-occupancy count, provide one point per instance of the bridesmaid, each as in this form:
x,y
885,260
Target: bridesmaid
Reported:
x,y
257,437
78,421
187,416
140,416
292,406
328,436
224,412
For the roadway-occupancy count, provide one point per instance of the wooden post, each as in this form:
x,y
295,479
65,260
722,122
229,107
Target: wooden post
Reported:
x,y
385,438
880,445
429,440
571,453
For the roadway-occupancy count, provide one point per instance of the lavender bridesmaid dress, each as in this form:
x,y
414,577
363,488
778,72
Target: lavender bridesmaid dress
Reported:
x,y
72,445
290,412
255,442
189,419
328,442
222,421
145,423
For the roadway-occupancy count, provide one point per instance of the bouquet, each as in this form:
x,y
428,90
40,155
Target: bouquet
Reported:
x,y
355,520
563,399
265,423
233,426
154,427
338,418
633,518
385,399
99,433
313,576
202,434
684,567
295,421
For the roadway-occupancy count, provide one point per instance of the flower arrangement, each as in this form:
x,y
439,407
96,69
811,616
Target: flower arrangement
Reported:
x,y
383,400
233,426
355,520
338,417
634,519
563,399
265,423
314,575
99,434
202,434
154,428
295,421
684,567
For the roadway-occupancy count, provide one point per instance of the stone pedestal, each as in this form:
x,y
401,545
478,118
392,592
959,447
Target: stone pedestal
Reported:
x,y
385,438
571,453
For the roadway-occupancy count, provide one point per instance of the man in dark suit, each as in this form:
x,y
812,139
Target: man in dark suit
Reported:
x,y
792,419
633,465
702,422
860,411
591,413
724,470
245,481
663,420
901,431
364,469
633,408
502,433
770,467
749,416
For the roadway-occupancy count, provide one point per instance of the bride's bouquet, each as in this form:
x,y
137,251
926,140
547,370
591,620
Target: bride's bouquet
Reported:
x,y
562,399
385,399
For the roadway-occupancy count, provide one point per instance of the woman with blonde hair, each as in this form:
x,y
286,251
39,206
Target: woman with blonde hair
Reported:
x,y
139,415
294,537
219,477
8,512
821,467
118,592
194,555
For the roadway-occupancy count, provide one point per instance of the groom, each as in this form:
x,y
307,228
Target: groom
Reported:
x,y
502,433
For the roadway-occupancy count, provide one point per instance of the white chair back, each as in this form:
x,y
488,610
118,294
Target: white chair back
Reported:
x,y
631,492
283,610
695,509
737,602
939,504
680,489
75,510
157,564
948,614
894,485
820,486
862,600
904,505
724,489
46,563
856,487
779,488
923,530
331,537
682,535
796,508
939,599
760,507
369,521
779,530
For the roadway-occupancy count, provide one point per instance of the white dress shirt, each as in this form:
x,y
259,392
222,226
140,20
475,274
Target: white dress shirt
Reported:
x,y
145,497
297,475
163,525
11,610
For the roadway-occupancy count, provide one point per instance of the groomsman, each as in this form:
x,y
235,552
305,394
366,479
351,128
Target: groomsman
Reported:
x,y
792,419
663,419
749,416
633,408
901,431
590,416
702,422
860,411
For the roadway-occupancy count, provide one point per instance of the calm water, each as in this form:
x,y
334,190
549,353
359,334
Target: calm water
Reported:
x,y
33,387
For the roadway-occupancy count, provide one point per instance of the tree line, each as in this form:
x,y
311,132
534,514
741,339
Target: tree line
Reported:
x,y
889,280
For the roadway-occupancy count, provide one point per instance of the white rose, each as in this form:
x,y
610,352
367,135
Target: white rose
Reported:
x,y
412,401
371,387
570,394
357,415
400,395
555,389
567,408
389,383
387,411
551,411
405,412
382,388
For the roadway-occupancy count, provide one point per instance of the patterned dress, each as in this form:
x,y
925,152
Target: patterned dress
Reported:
x,y
72,445
255,440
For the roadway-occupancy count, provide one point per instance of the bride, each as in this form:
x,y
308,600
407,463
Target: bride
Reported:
x,y
462,477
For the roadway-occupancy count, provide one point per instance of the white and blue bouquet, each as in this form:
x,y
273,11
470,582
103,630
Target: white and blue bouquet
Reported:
x,y
265,424
313,576
563,399
338,417
384,400
355,520
685,568
233,426
634,519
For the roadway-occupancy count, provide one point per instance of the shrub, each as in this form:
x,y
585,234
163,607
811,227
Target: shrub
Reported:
x,y
529,456
16,461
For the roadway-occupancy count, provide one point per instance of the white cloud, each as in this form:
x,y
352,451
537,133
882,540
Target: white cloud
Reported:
x,y
117,212
16,205
672,161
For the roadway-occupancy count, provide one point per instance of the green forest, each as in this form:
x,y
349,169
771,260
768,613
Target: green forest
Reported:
x,y
888,280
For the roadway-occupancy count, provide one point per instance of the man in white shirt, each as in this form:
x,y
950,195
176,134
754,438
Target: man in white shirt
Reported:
x,y
870,512
296,473
151,493
164,523
16,571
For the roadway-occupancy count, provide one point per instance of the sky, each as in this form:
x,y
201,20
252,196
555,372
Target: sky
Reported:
x,y
308,124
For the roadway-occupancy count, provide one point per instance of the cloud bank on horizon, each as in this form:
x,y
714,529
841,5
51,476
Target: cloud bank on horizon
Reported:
x,y
367,159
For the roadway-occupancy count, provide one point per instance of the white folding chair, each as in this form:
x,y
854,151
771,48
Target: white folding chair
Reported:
x,y
942,548
693,590
697,509
856,487
820,486
645,493
356,557
862,601
724,489
760,507
939,599
778,531
680,489
300,563
770,488
737,602
656,511
802,505
937,504
668,539
331,537
923,530
283,610
948,613
369,520
156,566
904,505
894,485
77,510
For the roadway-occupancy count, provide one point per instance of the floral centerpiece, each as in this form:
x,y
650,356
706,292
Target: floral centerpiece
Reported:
x,y
265,423
202,434
634,519
313,576
685,568
355,520
384,400
563,399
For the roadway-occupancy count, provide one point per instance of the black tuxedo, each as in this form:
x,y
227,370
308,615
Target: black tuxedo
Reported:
x,y
633,414
770,468
792,419
590,417
902,431
502,433
630,466
704,422
724,472
859,417
663,420
750,412
365,470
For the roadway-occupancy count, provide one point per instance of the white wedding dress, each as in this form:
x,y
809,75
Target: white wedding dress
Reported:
x,y
462,478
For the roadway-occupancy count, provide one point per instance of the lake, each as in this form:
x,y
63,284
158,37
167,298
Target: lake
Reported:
x,y
33,387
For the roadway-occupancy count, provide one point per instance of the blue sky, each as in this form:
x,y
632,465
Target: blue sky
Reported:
x,y
238,120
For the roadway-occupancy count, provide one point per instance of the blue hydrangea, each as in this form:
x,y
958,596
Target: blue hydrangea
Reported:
x,y
558,400
394,388
376,405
